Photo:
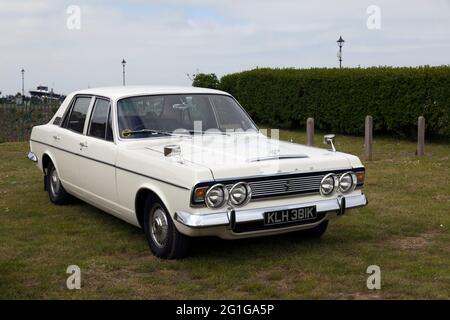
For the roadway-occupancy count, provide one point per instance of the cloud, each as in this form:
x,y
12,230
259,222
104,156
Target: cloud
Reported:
x,y
163,40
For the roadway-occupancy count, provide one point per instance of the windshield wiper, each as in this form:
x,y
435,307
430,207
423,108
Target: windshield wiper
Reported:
x,y
126,133
203,132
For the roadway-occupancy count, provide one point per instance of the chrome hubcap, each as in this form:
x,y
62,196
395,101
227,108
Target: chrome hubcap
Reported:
x,y
159,227
55,184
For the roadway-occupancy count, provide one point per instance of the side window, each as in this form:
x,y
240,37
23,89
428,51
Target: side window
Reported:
x,y
109,131
57,121
99,119
78,115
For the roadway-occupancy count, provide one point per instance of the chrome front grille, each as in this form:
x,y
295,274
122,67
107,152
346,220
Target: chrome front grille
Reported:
x,y
272,187
291,184
281,186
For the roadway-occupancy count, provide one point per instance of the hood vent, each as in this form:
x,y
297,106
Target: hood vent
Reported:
x,y
172,150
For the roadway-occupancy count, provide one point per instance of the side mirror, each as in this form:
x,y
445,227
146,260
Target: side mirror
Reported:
x,y
329,139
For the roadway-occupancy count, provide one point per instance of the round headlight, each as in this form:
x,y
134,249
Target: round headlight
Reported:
x,y
347,182
240,194
327,184
216,196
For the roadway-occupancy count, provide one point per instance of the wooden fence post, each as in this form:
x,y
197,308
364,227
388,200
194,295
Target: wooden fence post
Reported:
x,y
310,131
421,136
368,137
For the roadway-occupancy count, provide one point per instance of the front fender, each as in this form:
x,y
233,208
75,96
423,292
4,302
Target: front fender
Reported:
x,y
129,184
172,197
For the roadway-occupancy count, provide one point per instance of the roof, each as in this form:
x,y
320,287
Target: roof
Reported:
x,y
126,91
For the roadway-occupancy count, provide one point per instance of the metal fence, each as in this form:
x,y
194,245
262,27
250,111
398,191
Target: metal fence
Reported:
x,y
17,120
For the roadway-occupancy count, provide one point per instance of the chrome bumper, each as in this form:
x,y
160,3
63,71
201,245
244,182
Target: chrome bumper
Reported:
x,y
31,156
234,216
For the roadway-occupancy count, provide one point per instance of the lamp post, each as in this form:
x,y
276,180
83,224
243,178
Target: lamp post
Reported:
x,y
23,82
123,71
340,43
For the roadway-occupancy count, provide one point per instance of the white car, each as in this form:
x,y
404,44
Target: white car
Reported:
x,y
182,162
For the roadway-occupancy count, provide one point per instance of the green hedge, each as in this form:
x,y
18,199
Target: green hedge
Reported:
x,y
339,99
16,121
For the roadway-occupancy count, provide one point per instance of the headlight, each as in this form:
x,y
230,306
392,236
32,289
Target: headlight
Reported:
x,y
216,196
327,184
240,194
347,182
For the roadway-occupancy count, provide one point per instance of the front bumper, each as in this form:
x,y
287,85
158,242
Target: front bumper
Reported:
x,y
233,219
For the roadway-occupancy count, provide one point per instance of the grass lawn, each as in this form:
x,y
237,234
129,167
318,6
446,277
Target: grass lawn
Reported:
x,y
404,230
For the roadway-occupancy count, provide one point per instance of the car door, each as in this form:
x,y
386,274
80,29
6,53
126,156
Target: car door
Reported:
x,y
67,140
98,151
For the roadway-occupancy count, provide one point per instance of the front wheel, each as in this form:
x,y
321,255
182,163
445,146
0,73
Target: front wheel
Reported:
x,y
163,238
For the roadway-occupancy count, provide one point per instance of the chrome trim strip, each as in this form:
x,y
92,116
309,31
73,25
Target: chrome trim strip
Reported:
x,y
278,157
277,174
284,196
113,165
246,215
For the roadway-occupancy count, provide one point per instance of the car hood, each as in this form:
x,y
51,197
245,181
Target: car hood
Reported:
x,y
244,154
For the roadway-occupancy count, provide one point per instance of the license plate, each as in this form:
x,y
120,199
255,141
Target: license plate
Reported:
x,y
290,216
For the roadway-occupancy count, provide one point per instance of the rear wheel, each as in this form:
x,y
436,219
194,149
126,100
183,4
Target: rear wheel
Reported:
x,y
163,238
56,191
316,232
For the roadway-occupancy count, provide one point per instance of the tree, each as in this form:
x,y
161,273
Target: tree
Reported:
x,y
204,80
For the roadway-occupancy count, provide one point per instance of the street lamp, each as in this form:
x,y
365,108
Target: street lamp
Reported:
x,y
123,71
340,43
23,82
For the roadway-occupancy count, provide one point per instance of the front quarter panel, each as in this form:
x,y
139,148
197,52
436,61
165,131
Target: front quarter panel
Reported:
x,y
138,168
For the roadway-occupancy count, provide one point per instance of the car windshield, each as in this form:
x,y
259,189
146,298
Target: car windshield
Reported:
x,y
156,115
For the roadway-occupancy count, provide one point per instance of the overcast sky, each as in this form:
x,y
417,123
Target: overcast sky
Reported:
x,y
164,40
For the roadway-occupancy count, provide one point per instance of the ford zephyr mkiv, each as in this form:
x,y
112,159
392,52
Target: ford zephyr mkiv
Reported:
x,y
188,162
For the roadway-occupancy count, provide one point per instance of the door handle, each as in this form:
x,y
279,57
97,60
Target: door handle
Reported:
x,y
83,144
57,137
